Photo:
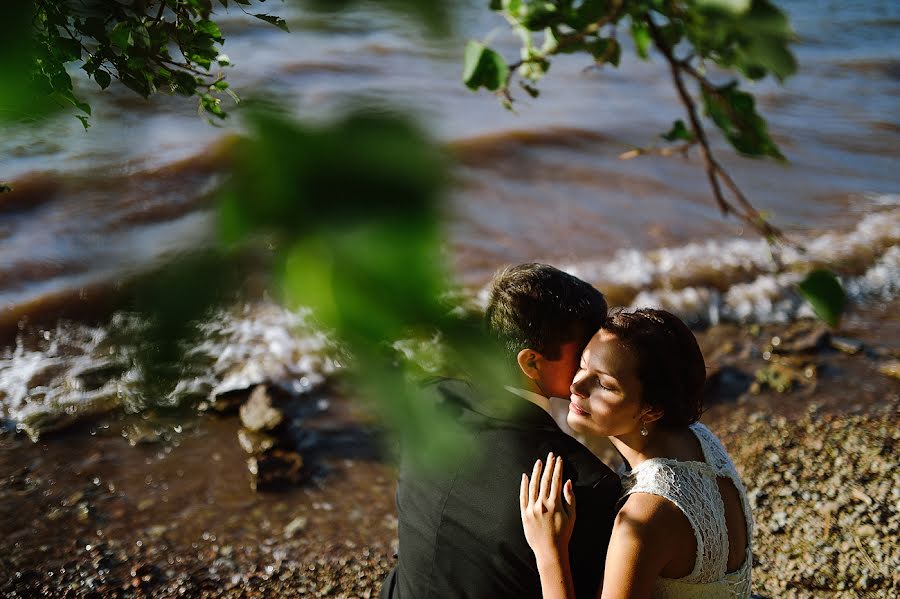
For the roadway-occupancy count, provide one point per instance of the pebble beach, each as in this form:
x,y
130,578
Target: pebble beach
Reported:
x,y
86,514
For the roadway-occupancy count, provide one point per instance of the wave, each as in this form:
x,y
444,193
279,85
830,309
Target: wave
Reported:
x,y
51,377
481,150
742,280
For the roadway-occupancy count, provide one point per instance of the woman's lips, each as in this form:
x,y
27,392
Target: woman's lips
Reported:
x,y
576,410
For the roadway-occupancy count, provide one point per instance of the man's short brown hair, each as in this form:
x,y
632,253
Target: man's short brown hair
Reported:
x,y
539,307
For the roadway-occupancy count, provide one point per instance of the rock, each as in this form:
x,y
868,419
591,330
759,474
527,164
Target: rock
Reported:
x,y
157,530
97,375
253,442
259,412
143,574
891,369
801,338
846,345
866,530
143,433
296,525
782,377
726,382
275,468
226,403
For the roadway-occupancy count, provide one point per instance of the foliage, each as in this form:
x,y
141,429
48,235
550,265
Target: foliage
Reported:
x,y
822,289
150,46
747,38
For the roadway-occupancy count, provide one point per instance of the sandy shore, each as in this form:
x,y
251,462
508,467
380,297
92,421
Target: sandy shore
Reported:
x,y
85,514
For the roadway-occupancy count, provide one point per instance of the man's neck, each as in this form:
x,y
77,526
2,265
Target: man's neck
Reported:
x,y
532,396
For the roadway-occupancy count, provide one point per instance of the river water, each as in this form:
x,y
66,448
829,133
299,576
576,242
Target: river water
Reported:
x,y
92,208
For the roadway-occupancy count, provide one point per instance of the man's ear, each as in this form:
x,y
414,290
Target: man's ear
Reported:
x,y
530,363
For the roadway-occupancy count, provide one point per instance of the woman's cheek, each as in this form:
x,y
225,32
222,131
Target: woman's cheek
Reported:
x,y
601,413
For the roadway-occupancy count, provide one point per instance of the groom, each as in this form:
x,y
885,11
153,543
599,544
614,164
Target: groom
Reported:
x,y
460,531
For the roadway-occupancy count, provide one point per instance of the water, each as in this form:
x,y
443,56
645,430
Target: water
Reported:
x,y
544,183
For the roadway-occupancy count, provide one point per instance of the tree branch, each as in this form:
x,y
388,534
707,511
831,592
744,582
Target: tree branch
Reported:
x,y
715,173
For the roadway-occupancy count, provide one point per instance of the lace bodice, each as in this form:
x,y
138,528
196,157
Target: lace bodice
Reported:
x,y
692,487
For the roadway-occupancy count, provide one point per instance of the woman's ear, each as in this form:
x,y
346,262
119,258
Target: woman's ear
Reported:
x,y
530,363
649,415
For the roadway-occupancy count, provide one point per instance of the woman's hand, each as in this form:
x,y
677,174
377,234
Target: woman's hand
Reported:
x,y
548,510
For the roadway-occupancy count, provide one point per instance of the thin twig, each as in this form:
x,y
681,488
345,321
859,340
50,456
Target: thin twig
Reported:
x,y
682,149
714,171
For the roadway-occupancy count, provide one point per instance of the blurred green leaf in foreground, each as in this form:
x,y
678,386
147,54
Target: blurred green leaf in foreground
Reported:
x,y
353,210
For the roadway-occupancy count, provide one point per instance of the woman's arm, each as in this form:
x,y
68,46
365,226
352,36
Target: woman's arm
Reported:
x,y
548,517
640,547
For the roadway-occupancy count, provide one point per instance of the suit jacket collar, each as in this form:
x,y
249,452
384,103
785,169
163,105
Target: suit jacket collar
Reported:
x,y
493,407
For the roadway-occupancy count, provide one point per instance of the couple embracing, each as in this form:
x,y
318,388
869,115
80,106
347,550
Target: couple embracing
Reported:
x,y
530,512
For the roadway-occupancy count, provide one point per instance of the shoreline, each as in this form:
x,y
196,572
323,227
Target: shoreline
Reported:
x,y
86,514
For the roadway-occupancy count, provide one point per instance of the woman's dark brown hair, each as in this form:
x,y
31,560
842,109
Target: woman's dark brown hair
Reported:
x,y
670,367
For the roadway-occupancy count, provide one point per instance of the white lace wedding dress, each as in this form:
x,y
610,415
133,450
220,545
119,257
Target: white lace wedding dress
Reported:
x,y
692,487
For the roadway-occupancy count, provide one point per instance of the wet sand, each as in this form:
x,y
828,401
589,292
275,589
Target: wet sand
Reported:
x,y
85,514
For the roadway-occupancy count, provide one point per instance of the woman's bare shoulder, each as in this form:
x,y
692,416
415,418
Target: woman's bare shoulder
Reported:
x,y
652,517
656,527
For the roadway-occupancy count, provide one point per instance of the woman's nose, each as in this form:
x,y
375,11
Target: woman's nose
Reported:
x,y
575,387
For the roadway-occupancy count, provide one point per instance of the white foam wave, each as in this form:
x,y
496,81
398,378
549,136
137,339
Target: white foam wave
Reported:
x,y
76,369
749,285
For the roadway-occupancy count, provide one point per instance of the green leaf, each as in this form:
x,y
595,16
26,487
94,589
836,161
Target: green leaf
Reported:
x,y
824,292
678,132
69,49
102,78
761,55
277,21
120,36
606,50
734,113
755,41
211,29
484,68
84,121
537,16
141,36
732,6
672,33
589,12
530,89
641,35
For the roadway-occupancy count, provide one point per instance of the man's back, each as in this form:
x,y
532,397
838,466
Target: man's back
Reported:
x,y
460,530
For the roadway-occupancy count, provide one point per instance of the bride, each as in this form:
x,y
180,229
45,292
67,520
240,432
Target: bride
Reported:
x,y
684,526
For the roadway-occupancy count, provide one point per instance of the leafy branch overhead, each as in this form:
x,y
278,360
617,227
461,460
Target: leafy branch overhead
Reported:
x,y
747,38
150,46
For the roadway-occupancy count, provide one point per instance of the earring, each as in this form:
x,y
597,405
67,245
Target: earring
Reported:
x,y
644,431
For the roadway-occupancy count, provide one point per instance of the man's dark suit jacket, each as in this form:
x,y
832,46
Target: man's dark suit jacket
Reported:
x,y
460,531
